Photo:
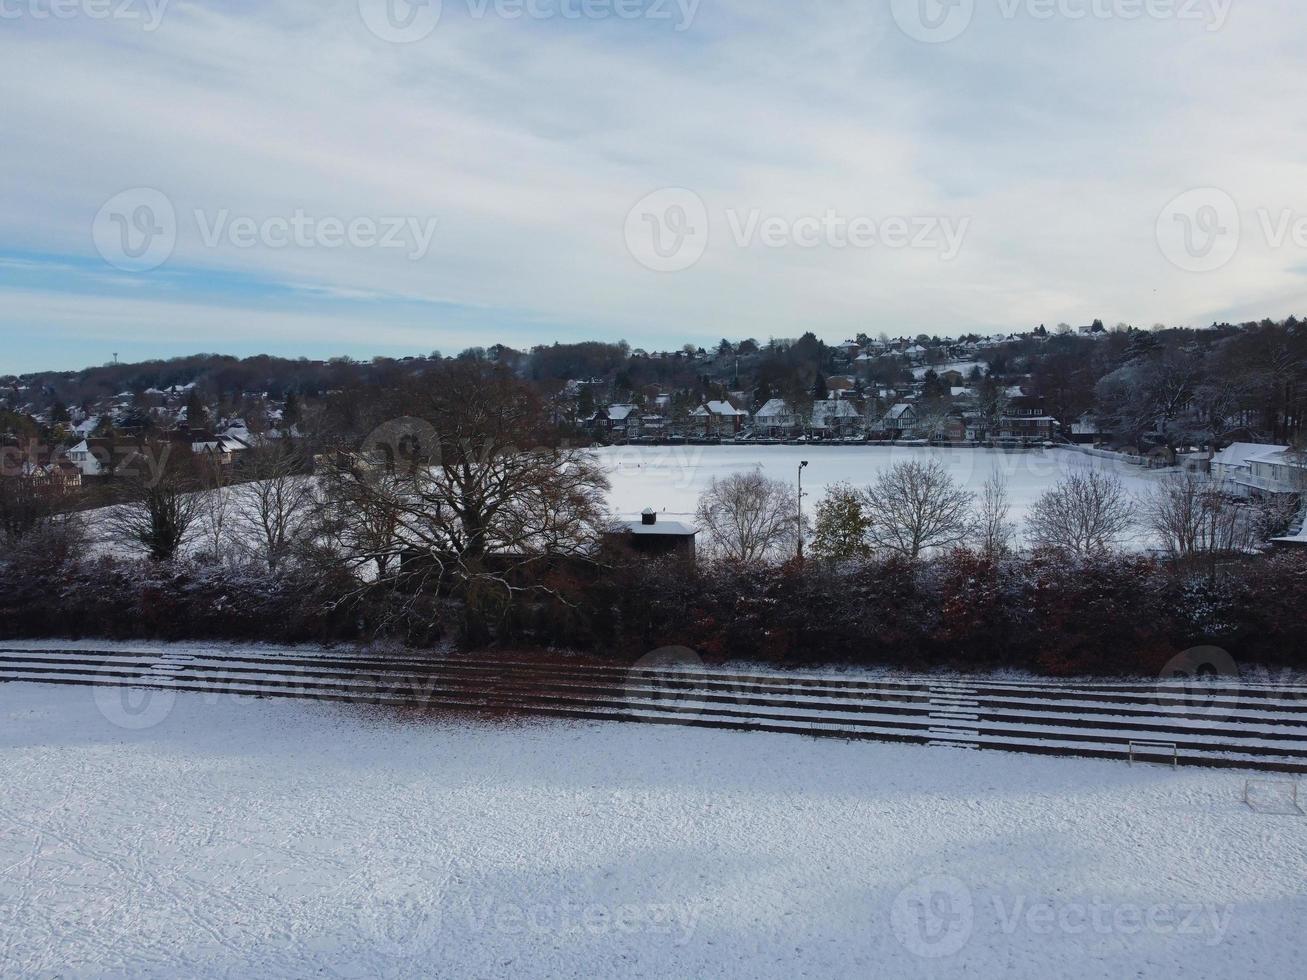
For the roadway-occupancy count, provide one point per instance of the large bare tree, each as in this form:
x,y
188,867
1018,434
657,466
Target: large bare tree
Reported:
x,y
913,507
481,494
748,517
1086,513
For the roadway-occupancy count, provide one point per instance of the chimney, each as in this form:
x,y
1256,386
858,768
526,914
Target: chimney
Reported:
x,y
649,517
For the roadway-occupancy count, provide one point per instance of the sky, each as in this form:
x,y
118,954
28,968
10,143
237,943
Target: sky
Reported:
x,y
386,177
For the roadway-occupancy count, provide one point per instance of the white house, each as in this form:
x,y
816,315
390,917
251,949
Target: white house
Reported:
x,y
1254,469
835,417
776,418
82,456
1279,470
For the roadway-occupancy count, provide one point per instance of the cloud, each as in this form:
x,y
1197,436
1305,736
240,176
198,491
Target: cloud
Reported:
x,y
529,140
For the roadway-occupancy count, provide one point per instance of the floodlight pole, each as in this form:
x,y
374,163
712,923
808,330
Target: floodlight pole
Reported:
x,y
800,515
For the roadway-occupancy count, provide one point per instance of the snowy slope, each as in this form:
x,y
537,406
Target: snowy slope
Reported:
x,y
241,838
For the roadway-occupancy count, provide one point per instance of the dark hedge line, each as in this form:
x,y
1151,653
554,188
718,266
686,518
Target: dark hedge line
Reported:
x,y
1047,613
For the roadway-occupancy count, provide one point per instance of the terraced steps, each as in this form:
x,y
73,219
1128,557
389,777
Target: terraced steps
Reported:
x,y
1244,726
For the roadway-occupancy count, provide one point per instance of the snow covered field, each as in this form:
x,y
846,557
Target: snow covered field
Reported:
x,y
670,478
243,838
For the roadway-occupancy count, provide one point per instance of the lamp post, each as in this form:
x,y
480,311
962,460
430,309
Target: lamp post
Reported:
x,y
801,466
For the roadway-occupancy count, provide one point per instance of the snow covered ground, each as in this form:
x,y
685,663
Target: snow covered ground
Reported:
x,y
242,838
670,478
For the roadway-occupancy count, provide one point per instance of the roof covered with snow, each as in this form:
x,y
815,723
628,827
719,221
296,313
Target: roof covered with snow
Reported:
x,y
718,408
1240,453
775,408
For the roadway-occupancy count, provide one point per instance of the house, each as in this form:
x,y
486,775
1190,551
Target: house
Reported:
x,y
836,417
652,538
841,387
614,418
650,426
718,418
900,418
955,426
91,457
1277,471
55,476
1255,470
1085,429
1024,419
777,418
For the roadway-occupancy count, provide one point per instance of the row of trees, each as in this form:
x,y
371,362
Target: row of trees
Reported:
x,y
916,507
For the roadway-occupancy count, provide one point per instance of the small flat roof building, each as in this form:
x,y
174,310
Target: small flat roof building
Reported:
x,y
652,537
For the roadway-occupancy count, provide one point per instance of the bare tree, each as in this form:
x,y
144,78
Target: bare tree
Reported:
x,y
1086,513
35,519
275,507
162,505
478,491
24,507
216,507
362,525
748,517
1191,515
913,507
994,530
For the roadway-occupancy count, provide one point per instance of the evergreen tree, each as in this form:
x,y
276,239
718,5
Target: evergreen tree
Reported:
x,y
840,532
196,415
